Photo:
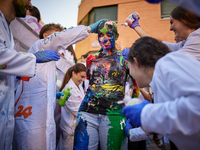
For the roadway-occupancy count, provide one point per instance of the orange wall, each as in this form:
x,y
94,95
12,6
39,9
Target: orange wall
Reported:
x,y
150,21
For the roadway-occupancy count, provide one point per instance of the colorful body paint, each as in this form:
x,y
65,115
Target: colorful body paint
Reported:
x,y
81,140
106,74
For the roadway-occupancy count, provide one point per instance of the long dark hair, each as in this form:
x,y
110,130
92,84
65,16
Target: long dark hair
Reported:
x,y
189,19
35,12
71,49
78,67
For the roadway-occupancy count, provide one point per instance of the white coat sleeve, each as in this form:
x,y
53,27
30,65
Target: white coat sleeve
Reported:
x,y
173,46
61,40
137,134
16,63
180,76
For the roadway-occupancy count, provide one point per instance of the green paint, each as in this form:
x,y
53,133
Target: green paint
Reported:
x,y
121,58
3,67
22,7
99,94
116,134
24,53
104,30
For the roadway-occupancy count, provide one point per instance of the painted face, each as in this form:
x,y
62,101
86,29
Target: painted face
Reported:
x,y
107,35
21,6
107,40
179,28
78,78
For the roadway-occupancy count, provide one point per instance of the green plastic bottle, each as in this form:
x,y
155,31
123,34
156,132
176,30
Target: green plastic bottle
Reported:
x,y
62,99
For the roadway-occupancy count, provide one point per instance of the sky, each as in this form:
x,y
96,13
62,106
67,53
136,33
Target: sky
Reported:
x,y
64,12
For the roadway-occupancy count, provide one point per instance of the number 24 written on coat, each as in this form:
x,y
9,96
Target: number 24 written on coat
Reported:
x,y
26,112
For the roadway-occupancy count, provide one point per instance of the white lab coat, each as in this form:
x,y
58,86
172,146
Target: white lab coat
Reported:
x,y
69,115
12,64
24,36
176,111
37,131
67,55
190,46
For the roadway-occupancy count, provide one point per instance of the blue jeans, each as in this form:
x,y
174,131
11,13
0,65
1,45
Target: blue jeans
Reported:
x,y
94,129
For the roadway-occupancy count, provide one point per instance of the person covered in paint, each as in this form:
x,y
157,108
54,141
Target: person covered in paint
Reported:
x,y
36,129
176,85
73,78
99,122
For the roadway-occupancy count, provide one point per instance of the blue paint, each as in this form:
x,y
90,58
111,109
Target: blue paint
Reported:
x,y
81,138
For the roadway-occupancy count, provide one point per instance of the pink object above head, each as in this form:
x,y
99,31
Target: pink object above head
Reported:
x,y
30,20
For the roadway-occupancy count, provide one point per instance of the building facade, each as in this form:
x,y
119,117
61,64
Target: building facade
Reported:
x,y
154,19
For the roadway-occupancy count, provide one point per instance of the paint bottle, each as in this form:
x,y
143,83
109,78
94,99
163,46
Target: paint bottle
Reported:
x,y
129,21
62,99
131,101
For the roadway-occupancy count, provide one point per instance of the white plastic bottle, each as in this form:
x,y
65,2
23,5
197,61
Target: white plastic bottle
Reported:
x,y
131,101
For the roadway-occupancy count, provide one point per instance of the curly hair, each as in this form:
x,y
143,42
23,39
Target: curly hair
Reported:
x,y
50,26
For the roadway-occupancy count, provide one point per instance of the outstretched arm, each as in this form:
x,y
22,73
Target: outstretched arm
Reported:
x,y
135,25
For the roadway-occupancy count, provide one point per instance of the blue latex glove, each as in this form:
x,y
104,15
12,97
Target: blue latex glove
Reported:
x,y
59,94
125,53
133,112
128,126
135,23
46,56
153,1
95,26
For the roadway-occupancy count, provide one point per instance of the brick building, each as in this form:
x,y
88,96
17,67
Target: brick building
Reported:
x,y
154,19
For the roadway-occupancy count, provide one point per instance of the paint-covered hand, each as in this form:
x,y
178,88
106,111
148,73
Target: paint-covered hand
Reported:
x,y
133,112
134,23
128,126
59,94
95,26
46,56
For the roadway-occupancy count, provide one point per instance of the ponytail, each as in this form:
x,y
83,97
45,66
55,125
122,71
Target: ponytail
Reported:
x,y
66,78
78,67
